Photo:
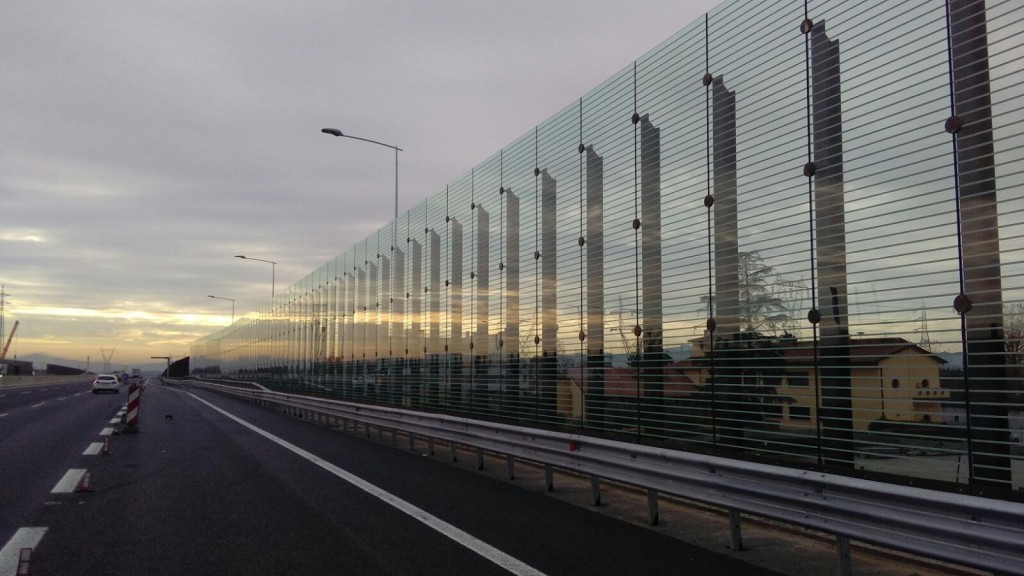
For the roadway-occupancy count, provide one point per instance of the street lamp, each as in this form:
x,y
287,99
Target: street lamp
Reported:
x,y
168,358
340,134
273,272
232,305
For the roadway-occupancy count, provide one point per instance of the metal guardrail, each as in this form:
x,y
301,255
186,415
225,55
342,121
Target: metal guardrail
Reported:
x,y
962,529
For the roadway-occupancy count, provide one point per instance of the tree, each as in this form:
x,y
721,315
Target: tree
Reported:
x,y
765,297
1013,336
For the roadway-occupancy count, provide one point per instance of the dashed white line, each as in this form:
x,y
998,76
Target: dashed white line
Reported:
x,y
38,405
115,420
506,561
4,414
92,450
24,538
106,431
69,482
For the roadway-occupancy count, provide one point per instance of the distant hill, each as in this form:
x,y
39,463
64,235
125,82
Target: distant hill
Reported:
x,y
952,358
39,362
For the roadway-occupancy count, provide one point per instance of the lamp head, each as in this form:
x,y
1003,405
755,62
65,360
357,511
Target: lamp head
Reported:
x,y
332,131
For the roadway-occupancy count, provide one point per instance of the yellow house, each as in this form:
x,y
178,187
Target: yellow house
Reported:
x,y
891,379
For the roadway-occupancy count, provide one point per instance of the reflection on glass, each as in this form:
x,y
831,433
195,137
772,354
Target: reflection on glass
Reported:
x,y
847,297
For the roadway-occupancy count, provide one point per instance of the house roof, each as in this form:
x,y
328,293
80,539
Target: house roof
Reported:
x,y
864,351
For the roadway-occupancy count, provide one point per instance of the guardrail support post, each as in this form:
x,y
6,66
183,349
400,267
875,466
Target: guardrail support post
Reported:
x,y
510,467
455,454
652,506
412,442
430,446
843,565
479,458
394,437
735,531
549,477
595,490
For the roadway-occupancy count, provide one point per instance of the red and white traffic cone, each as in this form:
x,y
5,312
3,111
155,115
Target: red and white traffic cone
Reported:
x,y
85,485
24,562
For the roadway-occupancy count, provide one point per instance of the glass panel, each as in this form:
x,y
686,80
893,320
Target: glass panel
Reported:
x,y
761,239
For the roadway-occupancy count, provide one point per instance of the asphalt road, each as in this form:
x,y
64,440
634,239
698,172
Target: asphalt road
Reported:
x,y
43,432
211,485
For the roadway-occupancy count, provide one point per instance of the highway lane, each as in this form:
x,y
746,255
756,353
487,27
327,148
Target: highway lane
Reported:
x,y
44,434
198,492
16,398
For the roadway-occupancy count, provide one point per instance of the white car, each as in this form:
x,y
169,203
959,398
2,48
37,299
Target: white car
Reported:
x,y
105,383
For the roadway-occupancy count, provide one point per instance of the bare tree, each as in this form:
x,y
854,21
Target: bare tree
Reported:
x,y
1013,335
765,297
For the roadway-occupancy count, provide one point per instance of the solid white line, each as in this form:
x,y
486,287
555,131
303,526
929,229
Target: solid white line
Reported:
x,y
513,565
23,538
69,482
92,450
106,431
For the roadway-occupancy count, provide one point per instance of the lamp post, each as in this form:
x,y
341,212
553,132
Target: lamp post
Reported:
x,y
340,134
273,270
168,358
232,305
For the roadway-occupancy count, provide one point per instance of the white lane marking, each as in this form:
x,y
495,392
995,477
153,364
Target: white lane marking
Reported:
x,y
115,420
62,398
38,405
106,431
23,538
69,482
24,393
510,563
4,414
92,450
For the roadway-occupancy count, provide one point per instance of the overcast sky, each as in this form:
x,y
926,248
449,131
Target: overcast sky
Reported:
x,y
144,144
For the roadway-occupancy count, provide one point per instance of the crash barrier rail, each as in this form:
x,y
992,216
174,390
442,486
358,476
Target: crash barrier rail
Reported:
x,y
967,530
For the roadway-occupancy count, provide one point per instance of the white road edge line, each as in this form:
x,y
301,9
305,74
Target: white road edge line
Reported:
x,y
69,482
23,538
513,565
92,450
